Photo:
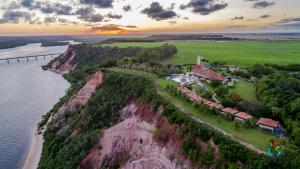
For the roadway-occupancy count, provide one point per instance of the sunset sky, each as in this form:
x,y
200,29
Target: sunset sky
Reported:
x,y
61,17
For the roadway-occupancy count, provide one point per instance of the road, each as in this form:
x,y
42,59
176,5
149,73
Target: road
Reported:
x,y
237,139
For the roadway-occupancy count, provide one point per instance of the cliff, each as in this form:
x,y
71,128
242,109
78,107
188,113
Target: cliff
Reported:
x,y
82,96
130,144
63,64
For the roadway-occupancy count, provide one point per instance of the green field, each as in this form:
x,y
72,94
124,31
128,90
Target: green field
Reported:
x,y
245,90
243,53
256,137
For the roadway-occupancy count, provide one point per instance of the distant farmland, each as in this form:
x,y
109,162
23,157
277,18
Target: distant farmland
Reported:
x,y
244,53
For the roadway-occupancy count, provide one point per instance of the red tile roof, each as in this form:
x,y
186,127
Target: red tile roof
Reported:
x,y
195,97
216,105
230,110
207,73
268,122
243,115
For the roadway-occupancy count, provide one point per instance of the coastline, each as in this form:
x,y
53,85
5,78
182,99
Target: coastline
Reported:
x,y
33,155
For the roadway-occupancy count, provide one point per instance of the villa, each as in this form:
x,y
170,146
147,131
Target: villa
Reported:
x,y
268,124
242,116
230,111
205,73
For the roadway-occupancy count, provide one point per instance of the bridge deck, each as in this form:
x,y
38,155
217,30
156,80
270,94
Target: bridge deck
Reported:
x,y
33,56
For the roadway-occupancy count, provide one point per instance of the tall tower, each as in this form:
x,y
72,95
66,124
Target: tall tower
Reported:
x,y
199,58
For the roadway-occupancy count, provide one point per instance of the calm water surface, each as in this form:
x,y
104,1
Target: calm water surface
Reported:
x,y
26,93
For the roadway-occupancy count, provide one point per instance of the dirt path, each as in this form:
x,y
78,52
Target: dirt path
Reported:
x,y
237,139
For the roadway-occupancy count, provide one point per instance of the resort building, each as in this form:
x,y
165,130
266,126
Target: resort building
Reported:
x,y
206,74
268,124
215,105
230,111
242,116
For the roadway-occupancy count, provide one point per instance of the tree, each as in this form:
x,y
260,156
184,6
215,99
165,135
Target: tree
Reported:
x,y
216,83
222,90
237,124
147,55
228,102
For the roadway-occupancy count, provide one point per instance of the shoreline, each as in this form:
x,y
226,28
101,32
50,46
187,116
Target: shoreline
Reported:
x,y
33,154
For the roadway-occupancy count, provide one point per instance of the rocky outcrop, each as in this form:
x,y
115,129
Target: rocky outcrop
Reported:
x,y
130,144
64,63
83,95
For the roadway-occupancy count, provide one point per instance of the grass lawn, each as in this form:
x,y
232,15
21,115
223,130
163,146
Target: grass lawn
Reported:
x,y
253,136
246,90
243,53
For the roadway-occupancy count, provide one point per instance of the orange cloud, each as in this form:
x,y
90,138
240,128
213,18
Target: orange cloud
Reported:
x,y
109,29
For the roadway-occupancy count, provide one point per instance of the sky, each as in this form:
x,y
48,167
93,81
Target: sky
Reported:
x,y
79,17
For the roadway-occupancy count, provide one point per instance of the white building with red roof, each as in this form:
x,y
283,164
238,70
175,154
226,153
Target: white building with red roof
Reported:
x,y
229,110
242,116
268,124
205,73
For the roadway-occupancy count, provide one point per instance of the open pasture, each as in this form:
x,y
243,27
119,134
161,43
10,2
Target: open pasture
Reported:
x,y
243,53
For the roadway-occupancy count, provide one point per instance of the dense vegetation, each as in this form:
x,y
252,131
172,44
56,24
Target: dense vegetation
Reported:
x,y
280,92
63,148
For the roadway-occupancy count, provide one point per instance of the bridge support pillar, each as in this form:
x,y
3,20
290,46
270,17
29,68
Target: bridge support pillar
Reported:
x,y
18,60
35,58
27,59
7,61
44,57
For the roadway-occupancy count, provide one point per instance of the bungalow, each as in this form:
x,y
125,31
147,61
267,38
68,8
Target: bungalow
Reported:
x,y
268,124
205,73
242,116
230,111
215,105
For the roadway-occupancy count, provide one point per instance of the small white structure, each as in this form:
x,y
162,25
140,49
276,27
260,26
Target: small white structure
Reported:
x,y
182,79
268,124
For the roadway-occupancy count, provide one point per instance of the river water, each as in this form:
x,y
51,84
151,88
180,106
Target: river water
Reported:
x,y
26,93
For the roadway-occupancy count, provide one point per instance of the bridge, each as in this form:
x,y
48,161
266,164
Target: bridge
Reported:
x,y
29,57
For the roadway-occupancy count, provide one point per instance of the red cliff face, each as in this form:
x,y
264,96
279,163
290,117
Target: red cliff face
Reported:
x,y
83,95
62,64
130,144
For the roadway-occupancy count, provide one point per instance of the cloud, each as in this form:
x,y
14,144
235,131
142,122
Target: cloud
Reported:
x,y
62,20
238,18
236,26
36,21
131,26
12,5
88,14
57,8
263,4
99,3
172,22
265,16
113,16
48,20
109,29
27,3
205,7
156,11
127,8
288,20
288,23
12,16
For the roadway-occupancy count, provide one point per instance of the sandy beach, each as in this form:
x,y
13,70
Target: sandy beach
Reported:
x,y
34,152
